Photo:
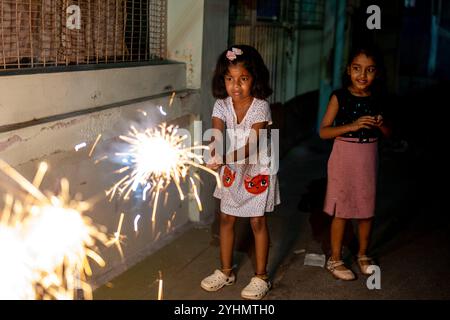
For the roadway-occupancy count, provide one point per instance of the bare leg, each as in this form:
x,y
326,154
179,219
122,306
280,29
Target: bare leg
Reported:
x,y
337,234
364,228
226,242
261,234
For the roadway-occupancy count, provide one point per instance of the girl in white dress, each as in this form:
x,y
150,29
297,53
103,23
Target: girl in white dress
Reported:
x,y
249,188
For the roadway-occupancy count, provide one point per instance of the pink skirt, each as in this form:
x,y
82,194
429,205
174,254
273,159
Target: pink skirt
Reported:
x,y
352,179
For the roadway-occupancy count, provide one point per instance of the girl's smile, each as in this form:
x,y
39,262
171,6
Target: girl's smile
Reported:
x,y
362,73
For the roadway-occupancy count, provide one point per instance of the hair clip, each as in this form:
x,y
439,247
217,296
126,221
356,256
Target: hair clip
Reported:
x,y
231,55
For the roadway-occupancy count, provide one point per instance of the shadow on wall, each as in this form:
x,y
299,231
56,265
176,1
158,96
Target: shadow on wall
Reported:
x,y
296,119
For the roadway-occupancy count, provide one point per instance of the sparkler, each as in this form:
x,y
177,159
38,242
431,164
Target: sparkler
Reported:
x,y
155,158
47,242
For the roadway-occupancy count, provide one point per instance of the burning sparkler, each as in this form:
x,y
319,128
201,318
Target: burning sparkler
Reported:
x,y
154,159
16,276
47,242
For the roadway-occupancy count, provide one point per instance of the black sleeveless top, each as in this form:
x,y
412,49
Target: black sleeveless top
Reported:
x,y
353,107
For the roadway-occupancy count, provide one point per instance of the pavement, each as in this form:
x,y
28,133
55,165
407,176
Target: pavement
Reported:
x,y
410,240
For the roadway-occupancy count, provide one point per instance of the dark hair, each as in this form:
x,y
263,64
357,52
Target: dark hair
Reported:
x,y
253,62
378,85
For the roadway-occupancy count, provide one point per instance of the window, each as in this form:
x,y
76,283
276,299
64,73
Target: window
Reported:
x,y
268,10
241,11
244,11
45,33
312,13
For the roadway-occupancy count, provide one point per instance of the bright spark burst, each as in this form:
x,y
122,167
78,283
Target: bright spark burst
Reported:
x,y
45,242
16,276
155,158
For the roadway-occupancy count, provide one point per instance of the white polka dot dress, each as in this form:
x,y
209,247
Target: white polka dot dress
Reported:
x,y
248,190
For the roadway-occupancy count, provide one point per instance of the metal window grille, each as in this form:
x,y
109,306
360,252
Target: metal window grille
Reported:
x,y
266,25
41,33
312,13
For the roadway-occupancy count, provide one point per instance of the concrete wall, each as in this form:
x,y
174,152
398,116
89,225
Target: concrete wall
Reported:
x,y
185,36
45,115
301,64
35,96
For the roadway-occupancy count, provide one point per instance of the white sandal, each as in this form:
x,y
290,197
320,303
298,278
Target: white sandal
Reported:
x,y
217,280
345,274
256,289
364,267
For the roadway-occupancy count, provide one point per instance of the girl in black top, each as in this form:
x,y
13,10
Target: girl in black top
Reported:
x,y
354,118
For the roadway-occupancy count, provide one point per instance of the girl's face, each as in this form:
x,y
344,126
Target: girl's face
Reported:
x,y
362,72
238,82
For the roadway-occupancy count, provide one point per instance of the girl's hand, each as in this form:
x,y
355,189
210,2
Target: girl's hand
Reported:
x,y
213,166
379,121
364,122
214,163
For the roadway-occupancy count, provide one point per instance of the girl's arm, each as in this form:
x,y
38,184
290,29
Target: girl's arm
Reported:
x,y
219,127
328,131
244,152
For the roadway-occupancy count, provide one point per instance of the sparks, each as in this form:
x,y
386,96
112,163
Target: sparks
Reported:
x,y
118,237
16,274
171,99
94,145
160,286
144,113
156,157
162,111
144,192
136,222
50,241
80,146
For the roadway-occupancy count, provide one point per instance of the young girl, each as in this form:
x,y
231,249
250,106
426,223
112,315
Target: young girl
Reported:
x,y
354,119
240,84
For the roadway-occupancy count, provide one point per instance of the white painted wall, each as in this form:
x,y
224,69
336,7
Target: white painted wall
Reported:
x,y
185,37
54,143
35,96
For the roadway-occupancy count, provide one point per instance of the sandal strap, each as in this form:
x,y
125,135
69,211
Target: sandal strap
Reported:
x,y
335,263
364,258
